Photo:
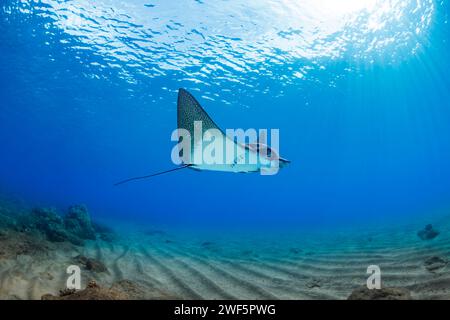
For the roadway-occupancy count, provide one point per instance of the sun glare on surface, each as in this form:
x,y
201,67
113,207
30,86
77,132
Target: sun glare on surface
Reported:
x,y
343,7
241,36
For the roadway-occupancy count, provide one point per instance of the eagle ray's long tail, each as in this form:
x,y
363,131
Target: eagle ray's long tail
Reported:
x,y
151,175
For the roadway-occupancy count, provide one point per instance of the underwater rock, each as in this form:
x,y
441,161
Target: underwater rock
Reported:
x,y
50,223
434,263
78,222
75,227
47,221
92,292
66,292
42,217
56,235
91,264
314,283
428,233
363,293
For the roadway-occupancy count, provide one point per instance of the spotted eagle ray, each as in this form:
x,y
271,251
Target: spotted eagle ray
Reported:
x,y
189,114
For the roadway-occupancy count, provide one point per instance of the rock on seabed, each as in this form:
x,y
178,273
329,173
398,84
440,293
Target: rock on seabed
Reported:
x,y
363,293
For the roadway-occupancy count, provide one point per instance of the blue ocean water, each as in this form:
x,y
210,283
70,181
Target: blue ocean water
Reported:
x,y
358,89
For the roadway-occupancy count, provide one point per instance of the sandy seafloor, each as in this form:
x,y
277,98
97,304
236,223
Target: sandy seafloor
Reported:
x,y
174,265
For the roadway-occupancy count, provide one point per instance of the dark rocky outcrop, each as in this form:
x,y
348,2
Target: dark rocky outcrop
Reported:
x,y
78,222
363,293
428,233
75,227
434,264
48,222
